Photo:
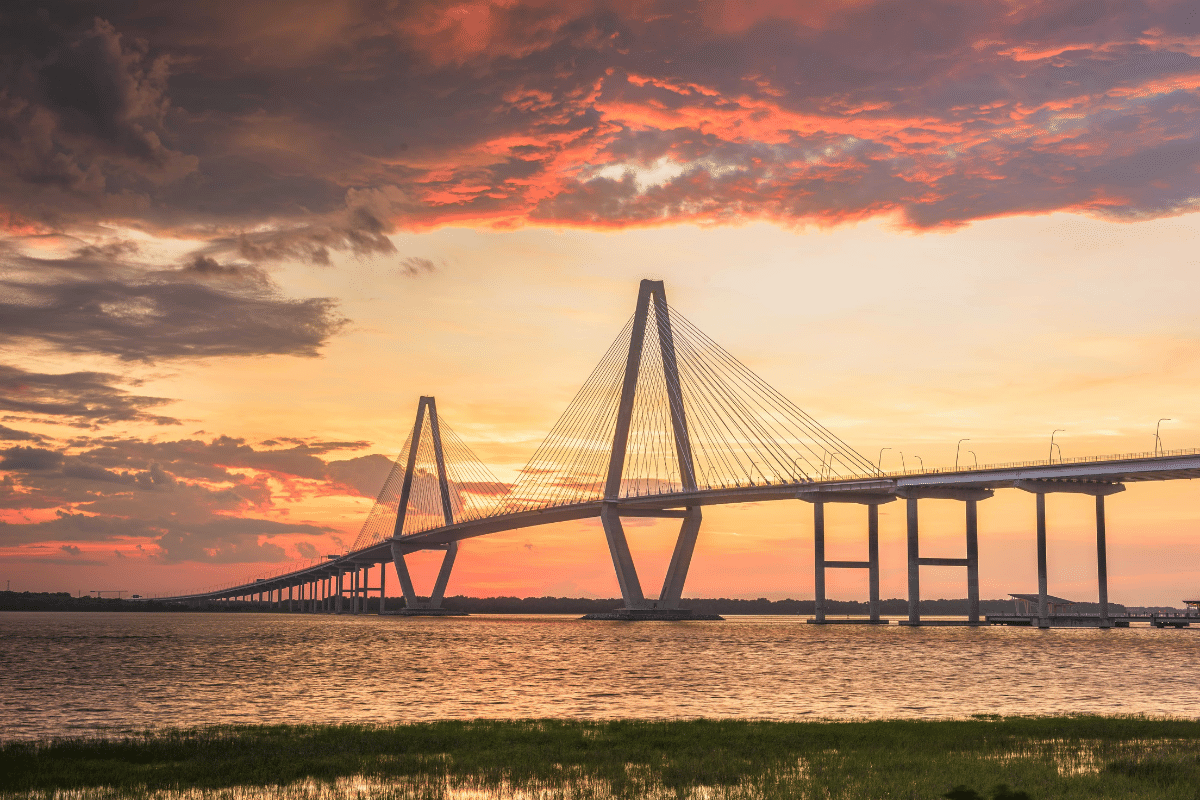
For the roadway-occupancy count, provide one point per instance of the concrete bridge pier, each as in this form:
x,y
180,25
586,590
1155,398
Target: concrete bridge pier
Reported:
x,y
872,501
1040,488
970,497
637,605
415,605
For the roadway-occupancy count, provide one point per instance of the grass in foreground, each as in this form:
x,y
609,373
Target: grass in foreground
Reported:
x,y
1003,759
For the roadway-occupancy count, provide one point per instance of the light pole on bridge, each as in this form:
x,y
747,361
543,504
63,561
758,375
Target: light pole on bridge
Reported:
x,y
1056,430
956,451
972,452
1158,448
879,465
921,461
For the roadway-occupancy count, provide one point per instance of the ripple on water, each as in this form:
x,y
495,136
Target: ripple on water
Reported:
x,y
93,672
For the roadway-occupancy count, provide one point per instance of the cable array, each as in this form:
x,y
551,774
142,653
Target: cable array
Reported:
x,y
472,487
700,419
739,430
571,463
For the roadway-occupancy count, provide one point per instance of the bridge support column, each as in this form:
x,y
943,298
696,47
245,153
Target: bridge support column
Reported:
x,y
337,600
819,561
872,500
681,559
415,605
970,498
873,561
1040,488
637,605
1102,563
382,586
618,548
1043,611
972,561
914,564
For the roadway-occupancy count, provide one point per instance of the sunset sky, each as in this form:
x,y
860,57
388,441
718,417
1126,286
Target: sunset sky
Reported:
x,y
239,242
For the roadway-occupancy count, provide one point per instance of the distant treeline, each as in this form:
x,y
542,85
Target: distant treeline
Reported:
x,y
725,605
62,601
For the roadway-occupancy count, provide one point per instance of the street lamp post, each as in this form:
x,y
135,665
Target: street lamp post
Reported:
x,y
921,461
956,449
1158,448
1056,430
972,452
903,468
879,465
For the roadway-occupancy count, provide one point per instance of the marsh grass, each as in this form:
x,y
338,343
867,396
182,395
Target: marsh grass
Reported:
x,y
1073,757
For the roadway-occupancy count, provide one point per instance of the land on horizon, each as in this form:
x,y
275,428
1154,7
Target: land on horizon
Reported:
x,y
63,601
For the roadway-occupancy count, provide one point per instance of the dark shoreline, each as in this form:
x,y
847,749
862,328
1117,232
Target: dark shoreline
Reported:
x,y
1061,757
62,601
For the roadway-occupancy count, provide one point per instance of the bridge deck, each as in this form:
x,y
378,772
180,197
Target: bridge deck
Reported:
x,y
1031,476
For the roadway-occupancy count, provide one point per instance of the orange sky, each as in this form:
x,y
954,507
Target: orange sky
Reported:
x,y
225,286
892,339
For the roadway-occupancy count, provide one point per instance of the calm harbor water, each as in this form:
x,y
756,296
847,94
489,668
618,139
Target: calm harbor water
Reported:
x,y
83,673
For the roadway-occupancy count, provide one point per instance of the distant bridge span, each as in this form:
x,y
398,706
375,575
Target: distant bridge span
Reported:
x,y
665,425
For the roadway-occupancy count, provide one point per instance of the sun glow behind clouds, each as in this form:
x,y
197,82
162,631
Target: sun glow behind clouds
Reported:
x,y
244,243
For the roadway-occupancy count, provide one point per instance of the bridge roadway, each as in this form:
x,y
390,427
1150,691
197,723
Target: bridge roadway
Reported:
x,y
1099,477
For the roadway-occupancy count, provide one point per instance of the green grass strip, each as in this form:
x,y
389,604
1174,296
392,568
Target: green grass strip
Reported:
x,y
1043,757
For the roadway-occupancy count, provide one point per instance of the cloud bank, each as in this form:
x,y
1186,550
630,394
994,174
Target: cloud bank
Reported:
x,y
213,501
328,130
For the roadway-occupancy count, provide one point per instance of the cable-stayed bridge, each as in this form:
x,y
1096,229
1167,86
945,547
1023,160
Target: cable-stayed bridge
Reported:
x,y
667,423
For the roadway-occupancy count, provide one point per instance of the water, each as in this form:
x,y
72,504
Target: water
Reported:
x,y
82,673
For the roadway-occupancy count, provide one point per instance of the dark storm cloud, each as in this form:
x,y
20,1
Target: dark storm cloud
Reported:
x,y
101,300
296,136
78,398
365,474
192,500
82,117
8,434
29,459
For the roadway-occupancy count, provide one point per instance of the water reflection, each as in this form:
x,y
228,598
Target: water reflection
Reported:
x,y
74,673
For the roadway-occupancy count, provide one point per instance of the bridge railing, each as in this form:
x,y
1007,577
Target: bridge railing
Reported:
x,y
258,577
1043,463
